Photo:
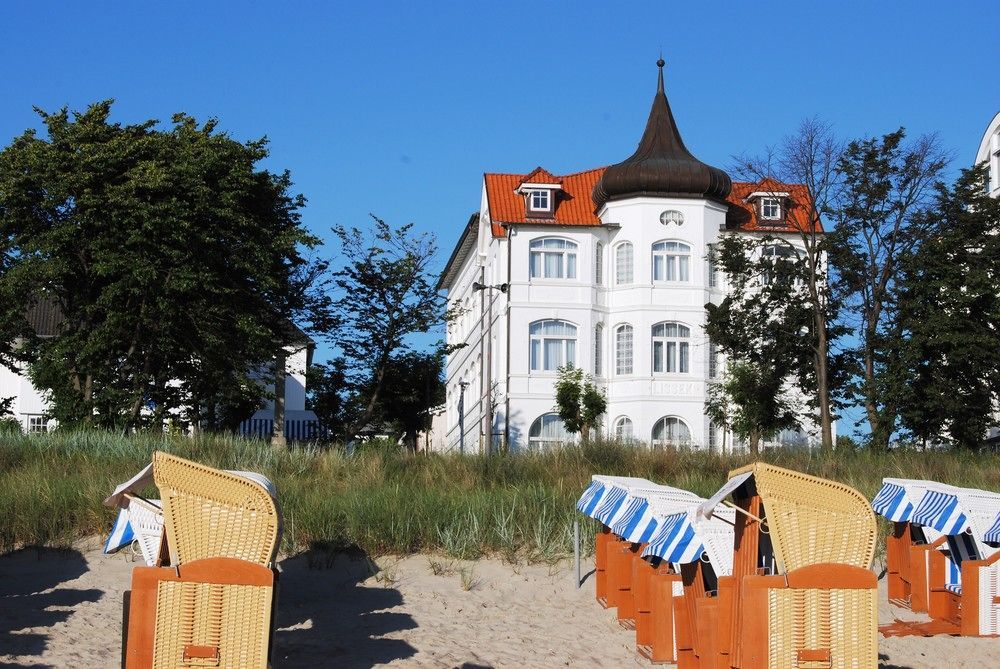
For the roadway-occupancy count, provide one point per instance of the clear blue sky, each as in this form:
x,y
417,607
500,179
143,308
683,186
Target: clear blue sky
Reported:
x,y
398,108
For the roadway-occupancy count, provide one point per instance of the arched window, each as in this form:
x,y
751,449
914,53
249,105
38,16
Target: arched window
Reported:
x,y
623,428
670,431
547,431
671,348
599,350
552,345
624,264
599,264
553,259
777,255
623,350
671,261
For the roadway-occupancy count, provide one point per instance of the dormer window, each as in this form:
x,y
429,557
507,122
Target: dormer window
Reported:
x,y
770,209
539,200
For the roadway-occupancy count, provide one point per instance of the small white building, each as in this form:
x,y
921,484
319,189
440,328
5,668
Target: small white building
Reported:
x,y
30,407
606,269
989,153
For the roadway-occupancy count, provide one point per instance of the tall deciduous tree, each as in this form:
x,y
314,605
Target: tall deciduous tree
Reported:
x,y
385,295
888,185
579,401
949,312
172,257
810,157
760,325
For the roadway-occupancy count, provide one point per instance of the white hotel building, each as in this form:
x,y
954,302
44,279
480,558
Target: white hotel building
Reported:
x,y
606,269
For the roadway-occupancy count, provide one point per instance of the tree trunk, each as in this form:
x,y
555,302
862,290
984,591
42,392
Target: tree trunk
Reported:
x,y
823,386
755,442
278,431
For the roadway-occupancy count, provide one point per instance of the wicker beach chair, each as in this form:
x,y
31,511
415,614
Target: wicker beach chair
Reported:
x,y
909,545
965,578
213,606
802,591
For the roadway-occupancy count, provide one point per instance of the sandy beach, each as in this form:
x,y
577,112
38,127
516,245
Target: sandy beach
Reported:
x,y
63,609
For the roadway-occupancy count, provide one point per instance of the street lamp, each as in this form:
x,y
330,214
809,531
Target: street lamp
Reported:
x,y
502,287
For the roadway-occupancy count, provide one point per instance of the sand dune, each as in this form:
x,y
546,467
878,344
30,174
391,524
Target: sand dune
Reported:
x,y
63,609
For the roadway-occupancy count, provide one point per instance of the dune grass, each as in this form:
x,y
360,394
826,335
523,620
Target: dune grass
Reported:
x,y
383,501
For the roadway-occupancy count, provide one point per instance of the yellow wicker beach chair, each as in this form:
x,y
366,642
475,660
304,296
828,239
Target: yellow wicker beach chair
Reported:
x,y
803,591
213,606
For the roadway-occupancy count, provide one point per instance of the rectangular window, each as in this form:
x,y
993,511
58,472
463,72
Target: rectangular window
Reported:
x,y
623,264
37,425
623,350
713,361
713,437
539,200
770,208
657,356
598,353
599,264
713,271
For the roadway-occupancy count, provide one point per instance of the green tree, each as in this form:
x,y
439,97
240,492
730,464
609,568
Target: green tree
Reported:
x,y
172,257
385,295
810,157
414,386
752,401
888,185
949,311
762,327
579,401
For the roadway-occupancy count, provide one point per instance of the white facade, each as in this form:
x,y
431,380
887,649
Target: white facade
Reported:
x,y
619,292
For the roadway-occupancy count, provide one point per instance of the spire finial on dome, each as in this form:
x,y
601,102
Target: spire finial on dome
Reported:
x,y
661,166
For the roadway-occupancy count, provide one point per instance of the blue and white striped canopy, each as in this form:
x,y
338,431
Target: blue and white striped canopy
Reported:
x,y
675,541
940,511
121,534
891,503
992,535
591,498
637,522
611,504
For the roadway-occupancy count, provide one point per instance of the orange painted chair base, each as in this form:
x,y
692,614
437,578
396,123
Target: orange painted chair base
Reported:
x,y
643,573
661,647
601,543
932,628
141,642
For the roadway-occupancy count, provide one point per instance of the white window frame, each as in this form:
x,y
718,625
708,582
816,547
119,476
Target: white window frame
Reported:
x,y
36,424
713,360
539,199
714,443
767,203
673,260
538,345
713,268
599,349
624,350
623,429
671,348
624,264
599,264
539,440
671,425
539,251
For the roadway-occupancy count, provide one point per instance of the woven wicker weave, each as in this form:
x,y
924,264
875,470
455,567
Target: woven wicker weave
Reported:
x,y
842,621
234,619
211,513
813,520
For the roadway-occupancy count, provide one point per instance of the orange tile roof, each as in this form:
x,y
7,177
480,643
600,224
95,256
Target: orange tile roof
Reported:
x,y
574,205
540,175
743,216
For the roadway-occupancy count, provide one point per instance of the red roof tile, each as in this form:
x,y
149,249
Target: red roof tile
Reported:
x,y
540,175
743,216
574,205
